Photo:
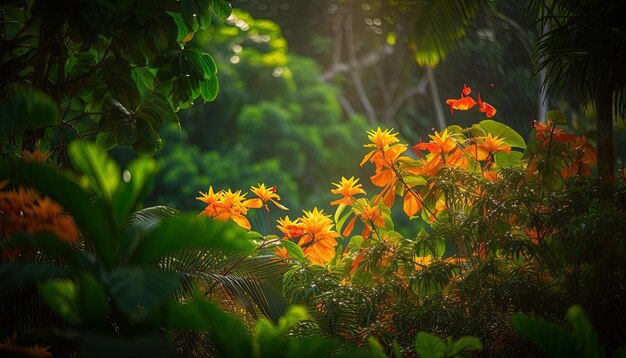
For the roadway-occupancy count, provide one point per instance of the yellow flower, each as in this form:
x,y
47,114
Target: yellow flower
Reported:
x,y
211,199
264,195
348,188
291,229
381,142
318,239
233,206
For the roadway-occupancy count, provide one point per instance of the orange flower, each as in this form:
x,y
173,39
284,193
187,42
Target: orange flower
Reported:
x,y
428,166
291,229
10,347
233,206
264,195
489,146
486,108
28,211
422,261
381,141
370,215
462,104
318,240
36,156
348,188
225,205
441,143
211,199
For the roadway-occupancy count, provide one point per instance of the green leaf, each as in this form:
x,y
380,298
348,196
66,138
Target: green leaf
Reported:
x,y
181,25
294,250
137,182
62,297
222,8
31,110
429,346
209,89
375,348
186,232
583,332
504,160
510,136
106,139
229,335
22,272
429,246
91,160
469,343
92,299
106,346
552,339
556,117
138,290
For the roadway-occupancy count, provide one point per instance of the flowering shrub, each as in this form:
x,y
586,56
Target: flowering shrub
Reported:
x,y
493,216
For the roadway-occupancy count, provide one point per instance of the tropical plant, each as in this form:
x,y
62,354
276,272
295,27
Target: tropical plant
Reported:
x,y
588,63
555,341
110,269
114,70
501,226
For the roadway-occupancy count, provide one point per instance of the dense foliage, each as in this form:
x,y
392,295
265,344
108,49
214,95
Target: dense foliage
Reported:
x,y
475,239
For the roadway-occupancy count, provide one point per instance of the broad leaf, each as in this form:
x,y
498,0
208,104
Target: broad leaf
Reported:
x,y
429,346
31,110
138,290
91,160
62,297
137,181
189,231
229,334
510,136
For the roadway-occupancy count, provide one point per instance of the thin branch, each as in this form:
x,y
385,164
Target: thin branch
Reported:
x,y
356,79
441,121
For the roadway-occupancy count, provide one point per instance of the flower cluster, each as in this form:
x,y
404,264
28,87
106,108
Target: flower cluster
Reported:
x,y
225,205
26,210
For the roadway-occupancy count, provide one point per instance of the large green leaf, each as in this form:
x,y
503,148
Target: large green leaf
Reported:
x,y
209,89
583,332
429,346
31,110
62,297
92,299
137,181
222,8
510,136
189,231
229,335
88,214
139,290
552,339
93,161
504,160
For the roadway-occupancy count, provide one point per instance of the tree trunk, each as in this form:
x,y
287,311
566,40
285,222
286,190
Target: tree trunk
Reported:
x,y
604,112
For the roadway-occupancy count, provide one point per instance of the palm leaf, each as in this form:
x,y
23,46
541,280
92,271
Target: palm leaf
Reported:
x,y
439,25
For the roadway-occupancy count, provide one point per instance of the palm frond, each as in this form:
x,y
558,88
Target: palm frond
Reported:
x,y
439,25
148,218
